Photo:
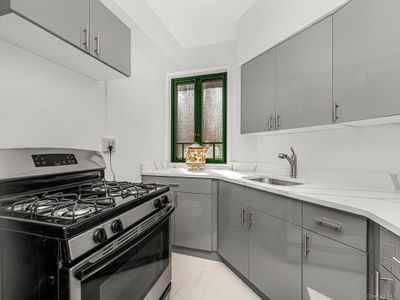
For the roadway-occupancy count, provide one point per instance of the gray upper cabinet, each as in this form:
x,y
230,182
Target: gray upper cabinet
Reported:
x,y
332,270
110,38
67,19
193,221
366,59
258,93
275,257
82,35
304,78
233,235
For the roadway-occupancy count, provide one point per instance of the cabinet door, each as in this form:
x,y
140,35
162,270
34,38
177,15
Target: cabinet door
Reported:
x,y
233,235
193,221
366,59
275,255
332,270
258,93
110,38
69,19
304,78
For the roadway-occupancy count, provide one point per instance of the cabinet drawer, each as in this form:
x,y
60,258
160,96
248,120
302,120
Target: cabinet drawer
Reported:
x,y
390,251
278,206
341,226
179,184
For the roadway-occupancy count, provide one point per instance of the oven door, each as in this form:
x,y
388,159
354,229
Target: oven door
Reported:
x,y
140,269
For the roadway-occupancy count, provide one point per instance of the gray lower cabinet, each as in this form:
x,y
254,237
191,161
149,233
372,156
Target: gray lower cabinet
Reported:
x,y
275,257
110,38
264,248
69,19
332,270
258,81
389,285
304,78
193,221
233,235
366,59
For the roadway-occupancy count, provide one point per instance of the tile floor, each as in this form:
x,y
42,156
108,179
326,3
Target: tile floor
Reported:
x,y
202,279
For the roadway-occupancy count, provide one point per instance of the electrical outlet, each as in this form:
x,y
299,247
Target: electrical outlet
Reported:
x,y
107,141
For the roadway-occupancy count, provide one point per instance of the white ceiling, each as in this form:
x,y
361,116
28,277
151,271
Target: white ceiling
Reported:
x,y
200,22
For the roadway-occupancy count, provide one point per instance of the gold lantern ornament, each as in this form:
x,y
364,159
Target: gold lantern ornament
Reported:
x,y
196,157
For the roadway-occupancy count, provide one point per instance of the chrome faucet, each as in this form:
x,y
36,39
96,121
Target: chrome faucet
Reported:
x,y
292,161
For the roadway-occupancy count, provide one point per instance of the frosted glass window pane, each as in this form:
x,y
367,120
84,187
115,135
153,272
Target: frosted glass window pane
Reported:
x,y
212,109
185,113
210,151
179,153
218,151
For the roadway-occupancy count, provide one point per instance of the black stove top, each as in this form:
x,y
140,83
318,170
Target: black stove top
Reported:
x,y
68,206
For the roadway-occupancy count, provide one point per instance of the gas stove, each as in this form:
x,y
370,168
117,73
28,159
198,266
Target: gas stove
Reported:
x,y
57,204
81,202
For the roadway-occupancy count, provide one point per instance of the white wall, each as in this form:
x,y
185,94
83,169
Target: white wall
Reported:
x,y
45,105
136,106
269,22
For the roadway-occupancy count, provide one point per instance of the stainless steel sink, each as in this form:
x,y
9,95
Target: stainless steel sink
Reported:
x,y
275,181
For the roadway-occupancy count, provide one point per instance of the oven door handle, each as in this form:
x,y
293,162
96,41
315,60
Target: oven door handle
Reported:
x,y
90,268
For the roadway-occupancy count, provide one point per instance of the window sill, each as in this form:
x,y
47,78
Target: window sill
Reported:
x,y
208,166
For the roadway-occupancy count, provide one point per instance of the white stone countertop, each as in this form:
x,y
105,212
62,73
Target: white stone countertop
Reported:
x,y
381,206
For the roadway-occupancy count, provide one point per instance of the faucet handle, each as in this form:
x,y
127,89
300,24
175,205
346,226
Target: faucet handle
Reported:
x,y
292,149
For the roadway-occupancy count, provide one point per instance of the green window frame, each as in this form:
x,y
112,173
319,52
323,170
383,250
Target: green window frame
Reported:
x,y
198,116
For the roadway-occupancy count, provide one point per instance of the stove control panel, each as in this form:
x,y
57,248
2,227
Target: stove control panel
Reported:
x,y
100,236
161,202
117,226
54,160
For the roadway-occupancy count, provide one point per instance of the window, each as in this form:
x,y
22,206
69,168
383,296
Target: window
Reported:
x,y
199,116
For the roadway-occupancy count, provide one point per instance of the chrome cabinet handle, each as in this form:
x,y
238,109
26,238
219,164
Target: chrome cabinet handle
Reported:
x,y
329,223
173,184
307,248
271,122
395,259
335,115
97,40
377,285
176,200
278,121
243,216
85,31
251,218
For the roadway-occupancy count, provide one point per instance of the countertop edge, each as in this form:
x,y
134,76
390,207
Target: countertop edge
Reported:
x,y
364,212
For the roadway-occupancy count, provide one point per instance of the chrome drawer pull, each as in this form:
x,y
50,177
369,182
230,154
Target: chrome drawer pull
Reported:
x,y
329,223
377,285
385,279
173,184
396,260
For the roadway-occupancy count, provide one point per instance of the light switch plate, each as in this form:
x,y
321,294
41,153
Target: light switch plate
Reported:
x,y
106,141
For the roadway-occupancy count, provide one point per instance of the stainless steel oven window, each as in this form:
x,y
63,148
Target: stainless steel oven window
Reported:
x,y
130,272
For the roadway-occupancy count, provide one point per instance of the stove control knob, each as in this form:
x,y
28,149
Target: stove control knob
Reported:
x,y
100,236
117,226
157,203
164,200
